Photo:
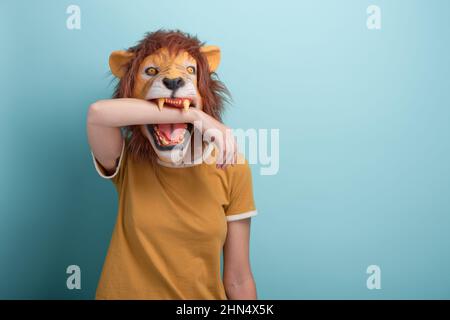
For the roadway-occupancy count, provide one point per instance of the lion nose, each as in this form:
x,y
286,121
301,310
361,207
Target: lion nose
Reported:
x,y
173,84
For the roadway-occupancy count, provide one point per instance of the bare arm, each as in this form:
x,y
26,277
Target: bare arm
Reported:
x,y
105,117
238,278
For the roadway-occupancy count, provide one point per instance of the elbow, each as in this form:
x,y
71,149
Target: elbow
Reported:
x,y
241,289
238,278
236,282
94,113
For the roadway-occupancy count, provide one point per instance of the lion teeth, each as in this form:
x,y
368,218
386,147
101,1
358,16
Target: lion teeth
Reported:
x,y
160,104
186,104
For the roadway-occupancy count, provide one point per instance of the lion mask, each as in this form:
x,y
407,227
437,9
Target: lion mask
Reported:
x,y
171,69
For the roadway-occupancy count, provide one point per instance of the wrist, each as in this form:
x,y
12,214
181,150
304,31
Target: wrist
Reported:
x,y
196,114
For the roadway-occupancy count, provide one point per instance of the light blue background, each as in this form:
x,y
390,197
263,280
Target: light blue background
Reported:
x,y
364,126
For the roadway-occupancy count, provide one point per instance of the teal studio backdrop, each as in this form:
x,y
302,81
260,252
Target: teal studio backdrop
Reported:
x,y
364,175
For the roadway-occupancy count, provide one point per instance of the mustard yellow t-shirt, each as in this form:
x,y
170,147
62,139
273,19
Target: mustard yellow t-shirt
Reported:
x,y
171,227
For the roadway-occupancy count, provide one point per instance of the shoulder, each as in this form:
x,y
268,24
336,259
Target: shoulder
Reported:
x,y
241,166
239,172
241,201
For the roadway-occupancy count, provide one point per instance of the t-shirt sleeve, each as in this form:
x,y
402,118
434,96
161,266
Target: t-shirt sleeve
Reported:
x,y
241,202
117,176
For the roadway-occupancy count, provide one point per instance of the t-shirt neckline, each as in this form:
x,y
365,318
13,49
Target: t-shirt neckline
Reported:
x,y
197,161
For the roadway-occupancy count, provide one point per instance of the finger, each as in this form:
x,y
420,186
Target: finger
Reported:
x,y
229,149
224,153
221,157
231,155
235,153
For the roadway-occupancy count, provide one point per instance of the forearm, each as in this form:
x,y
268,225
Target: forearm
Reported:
x,y
106,117
128,111
241,290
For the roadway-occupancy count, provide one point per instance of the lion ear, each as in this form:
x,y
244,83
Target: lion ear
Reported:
x,y
212,54
118,61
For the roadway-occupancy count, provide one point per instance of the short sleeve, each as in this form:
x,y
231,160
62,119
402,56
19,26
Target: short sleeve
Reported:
x,y
117,176
241,201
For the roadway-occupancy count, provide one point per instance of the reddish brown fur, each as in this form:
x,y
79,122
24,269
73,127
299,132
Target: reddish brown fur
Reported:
x,y
212,91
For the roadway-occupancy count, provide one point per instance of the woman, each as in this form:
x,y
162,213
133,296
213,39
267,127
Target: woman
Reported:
x,y
181,199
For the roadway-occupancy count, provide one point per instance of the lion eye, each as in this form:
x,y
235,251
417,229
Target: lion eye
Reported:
x,y
190,70
151,71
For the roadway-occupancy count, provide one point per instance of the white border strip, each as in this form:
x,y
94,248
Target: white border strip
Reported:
x,y
99,171
240,216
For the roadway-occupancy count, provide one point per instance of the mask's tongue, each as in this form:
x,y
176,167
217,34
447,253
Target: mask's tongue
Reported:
x,y
172,131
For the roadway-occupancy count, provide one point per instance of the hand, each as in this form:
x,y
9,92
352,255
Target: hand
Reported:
x,y
220,135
